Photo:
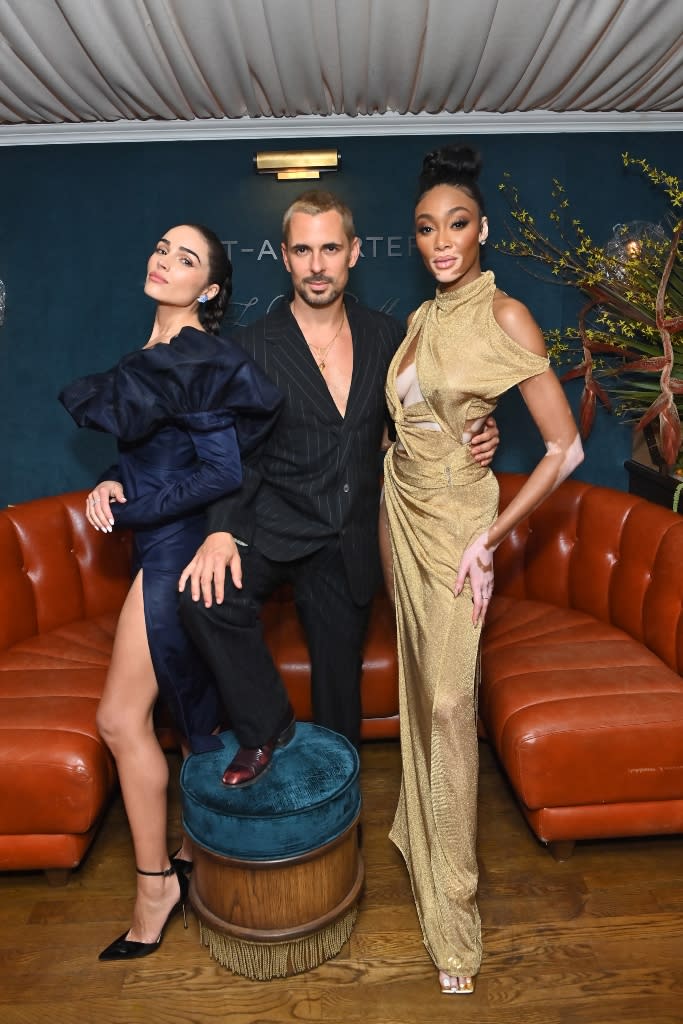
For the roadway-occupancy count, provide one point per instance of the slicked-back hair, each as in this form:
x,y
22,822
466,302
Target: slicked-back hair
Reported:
x,y
318,201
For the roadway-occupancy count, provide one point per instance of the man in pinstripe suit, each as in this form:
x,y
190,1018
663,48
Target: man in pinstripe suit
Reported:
x,y
308,508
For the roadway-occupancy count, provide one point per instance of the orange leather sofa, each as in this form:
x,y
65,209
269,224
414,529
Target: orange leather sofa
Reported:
x,y
580,693
61,586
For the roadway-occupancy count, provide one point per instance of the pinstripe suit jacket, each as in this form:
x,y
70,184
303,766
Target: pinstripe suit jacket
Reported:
x,y
317,475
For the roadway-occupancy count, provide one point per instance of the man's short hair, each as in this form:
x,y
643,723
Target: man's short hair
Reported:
x,y
318,201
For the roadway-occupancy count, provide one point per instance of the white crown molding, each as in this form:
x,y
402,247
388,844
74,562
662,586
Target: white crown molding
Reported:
x,y
339,125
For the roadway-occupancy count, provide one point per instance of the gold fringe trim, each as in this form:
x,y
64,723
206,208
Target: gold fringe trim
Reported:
x,y
262,961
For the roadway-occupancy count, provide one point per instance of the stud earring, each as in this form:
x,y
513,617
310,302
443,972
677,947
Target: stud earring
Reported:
x,y
203,299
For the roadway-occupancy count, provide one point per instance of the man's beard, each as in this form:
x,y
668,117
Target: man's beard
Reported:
x,y
312,298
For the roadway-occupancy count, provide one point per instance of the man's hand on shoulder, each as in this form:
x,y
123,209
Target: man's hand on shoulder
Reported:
x,y
206,571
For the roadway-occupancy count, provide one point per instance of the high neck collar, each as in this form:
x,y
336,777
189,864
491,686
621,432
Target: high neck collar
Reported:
x,y
448,301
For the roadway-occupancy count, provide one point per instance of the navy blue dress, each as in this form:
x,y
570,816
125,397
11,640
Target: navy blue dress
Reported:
x,y
183,414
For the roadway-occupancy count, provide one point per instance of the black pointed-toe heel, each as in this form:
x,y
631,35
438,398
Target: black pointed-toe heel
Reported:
x,y
128,949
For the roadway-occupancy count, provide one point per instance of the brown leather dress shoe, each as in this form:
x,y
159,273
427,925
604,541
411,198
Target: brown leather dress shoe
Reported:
x,y
250,763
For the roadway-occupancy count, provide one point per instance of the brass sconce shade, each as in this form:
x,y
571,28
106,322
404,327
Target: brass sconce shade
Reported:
x,y
290,165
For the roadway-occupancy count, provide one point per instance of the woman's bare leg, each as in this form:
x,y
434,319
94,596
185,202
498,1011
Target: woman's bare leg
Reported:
x,y
124,719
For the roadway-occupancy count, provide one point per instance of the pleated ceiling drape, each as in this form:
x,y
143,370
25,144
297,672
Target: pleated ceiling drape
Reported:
x,y
74,61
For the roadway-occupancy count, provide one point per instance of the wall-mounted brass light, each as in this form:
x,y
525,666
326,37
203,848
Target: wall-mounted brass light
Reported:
x,y
290,165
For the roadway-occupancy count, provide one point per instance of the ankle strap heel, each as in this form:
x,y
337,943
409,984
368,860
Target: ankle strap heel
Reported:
x,y
124,948
182,882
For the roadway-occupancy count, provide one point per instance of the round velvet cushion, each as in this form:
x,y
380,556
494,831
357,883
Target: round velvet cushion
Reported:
x,y
309,796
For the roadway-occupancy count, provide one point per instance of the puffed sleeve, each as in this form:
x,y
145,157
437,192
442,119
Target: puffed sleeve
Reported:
x,y
198,381
217,472
206,385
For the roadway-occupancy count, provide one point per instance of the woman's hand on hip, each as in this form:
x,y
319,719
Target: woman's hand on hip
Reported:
x,y
484,443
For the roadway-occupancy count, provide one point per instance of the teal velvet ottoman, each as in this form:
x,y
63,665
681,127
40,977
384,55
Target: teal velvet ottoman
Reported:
x,y
277,866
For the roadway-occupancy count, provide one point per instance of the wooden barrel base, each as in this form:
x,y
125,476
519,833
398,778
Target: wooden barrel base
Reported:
x,y
273,918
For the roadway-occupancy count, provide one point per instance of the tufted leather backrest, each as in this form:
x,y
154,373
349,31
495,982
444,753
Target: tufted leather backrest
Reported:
x,y
55,568
612,555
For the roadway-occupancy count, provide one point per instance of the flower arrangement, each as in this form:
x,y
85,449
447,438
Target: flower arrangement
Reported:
x,y
631,327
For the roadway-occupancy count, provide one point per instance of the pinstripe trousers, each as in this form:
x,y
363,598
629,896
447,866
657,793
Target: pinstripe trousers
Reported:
x,y
231,640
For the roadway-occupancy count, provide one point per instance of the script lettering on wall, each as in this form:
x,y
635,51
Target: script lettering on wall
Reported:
x,y
373,247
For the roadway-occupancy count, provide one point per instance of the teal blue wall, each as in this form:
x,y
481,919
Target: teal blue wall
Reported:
x,y
78,222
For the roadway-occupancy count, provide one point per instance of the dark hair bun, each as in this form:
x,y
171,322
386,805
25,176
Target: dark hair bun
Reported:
x,y
458,160
451,162
451,165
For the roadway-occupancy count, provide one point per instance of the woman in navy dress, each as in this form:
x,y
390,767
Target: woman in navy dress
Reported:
x,y
183,409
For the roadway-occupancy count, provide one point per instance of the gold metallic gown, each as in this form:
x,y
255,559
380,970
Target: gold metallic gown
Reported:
x,y
438,499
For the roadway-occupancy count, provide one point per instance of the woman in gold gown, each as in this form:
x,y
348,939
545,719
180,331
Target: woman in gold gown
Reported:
x,y
463,350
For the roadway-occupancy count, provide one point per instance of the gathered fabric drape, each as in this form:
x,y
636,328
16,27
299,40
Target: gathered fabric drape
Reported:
x,y
70,61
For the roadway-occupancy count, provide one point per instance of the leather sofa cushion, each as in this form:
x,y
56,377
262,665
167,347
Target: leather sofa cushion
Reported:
x,y
79,644
56,773
578,711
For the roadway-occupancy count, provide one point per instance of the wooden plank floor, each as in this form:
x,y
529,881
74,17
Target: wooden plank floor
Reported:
x,y
596,940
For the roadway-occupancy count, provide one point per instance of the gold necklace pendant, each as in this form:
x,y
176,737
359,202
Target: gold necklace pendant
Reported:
x,y
322,362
